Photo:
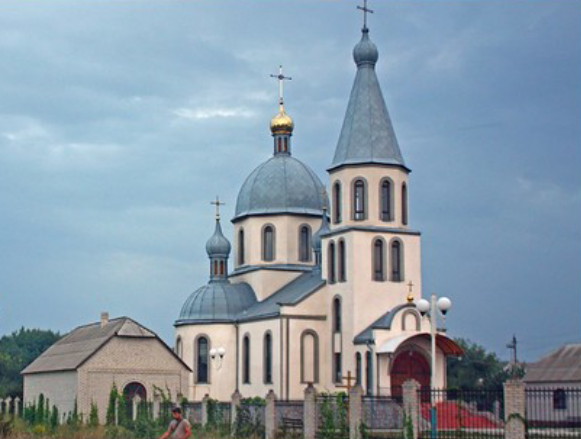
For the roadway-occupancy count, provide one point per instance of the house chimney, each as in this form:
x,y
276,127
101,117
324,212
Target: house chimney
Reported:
x,y
104,318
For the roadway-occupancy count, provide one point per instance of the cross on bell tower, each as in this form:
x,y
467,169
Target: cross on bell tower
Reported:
x,y
217,203
281,78
365,11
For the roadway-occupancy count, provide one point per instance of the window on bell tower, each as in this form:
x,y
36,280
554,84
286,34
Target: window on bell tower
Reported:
x,y
336,202
385,199
268,238
359,200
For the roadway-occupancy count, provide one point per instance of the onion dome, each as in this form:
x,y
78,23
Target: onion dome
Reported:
x,y
217,302
365,52
218,245
282,123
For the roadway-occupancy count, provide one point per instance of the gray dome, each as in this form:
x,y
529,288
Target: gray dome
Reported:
x,y
216,302
218,245
281,185
365,52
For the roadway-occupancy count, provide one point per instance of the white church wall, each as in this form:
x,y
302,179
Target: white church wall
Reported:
x,y
60,388
222,376
286,238
266,282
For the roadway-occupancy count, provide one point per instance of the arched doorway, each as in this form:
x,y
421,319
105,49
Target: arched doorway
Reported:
x,y
130,391
409,364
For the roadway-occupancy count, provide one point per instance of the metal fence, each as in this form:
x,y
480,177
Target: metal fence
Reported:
x,y
193,412
553,412
289,415
477,413
382,414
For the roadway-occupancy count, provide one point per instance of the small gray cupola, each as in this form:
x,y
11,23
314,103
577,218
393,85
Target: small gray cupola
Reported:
x,y
281,125
218,249
367,135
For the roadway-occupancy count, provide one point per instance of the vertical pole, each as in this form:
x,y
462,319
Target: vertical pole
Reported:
x,y
433,323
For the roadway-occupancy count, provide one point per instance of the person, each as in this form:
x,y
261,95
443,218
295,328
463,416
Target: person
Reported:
x,y
179,427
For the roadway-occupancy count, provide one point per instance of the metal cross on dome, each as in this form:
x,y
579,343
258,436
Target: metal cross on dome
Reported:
x,y
365,10
281,78
217,203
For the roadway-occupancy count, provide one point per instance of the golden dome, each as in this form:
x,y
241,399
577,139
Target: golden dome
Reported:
x,y
282,123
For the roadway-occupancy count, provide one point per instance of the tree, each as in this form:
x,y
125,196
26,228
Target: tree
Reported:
x,y
17,351
477,368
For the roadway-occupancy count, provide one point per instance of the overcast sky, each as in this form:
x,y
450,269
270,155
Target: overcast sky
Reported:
x,y
121,119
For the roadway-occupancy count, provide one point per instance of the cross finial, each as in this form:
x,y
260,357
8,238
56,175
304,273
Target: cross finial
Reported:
x,y
281,78
365,10
410,297
217,203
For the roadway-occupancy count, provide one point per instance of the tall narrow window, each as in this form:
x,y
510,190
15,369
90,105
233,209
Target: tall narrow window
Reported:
x,y
337,202
202,360
358,369
404,204
241,247
385,200
268,358
179,347
309,357
268,243
368,373
337,318
359,200
378,260
337,368
246,360
304,243
331,263
222,268
396,262
341,262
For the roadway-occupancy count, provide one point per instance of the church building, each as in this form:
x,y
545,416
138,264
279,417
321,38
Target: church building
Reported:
x,y
318,290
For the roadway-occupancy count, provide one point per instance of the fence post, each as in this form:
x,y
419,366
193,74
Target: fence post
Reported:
x,y
270,415
355,412
205,409
310,413
17,407
514,409
411,407
236,400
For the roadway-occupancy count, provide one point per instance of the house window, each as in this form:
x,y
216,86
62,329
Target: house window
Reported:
x,y
385,200
359,200
378,260
246,360
241,247
202,352
337,202
396,261
304,243
559,399
337,318
268,358
404,204
341,262
331,263
268,243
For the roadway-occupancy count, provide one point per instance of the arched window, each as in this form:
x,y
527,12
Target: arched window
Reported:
x,y
358,368
202,363
246,360
241,247
359,200
396,261
404,204
268,237
304,243
222,268
385,192
338,367
267,358
215,268
309,357
368,373
337,202
378,260
331,263
559,399
341,262
179,347
410,321
279,144
337,317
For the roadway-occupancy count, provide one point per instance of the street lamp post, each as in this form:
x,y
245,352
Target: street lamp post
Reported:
x,y
217,355
432,308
